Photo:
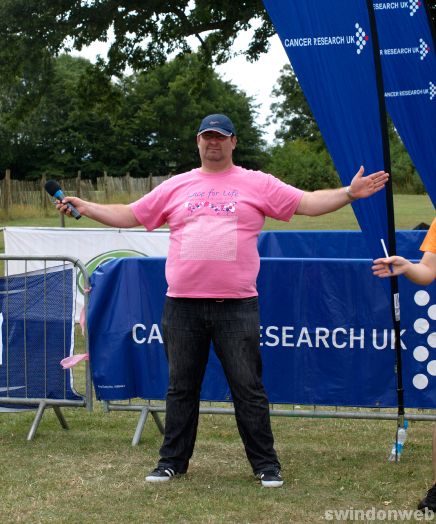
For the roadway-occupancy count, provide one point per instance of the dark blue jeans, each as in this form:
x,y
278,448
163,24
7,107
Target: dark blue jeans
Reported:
x,y
189,326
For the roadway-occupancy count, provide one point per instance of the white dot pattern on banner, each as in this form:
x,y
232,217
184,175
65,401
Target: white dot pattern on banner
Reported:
x,y
423,49
431,340
413,5
420,353
432,89
422,298
421,325
361,38
420,381
431,368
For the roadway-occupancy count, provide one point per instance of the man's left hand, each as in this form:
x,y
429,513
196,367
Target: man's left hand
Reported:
x,y
363,187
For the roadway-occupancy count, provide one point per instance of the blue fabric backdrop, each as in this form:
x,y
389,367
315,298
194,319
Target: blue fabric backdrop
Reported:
x,y
409,74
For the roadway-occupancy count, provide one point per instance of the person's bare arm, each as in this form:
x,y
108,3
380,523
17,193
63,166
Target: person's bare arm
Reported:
x,y
115,215
423,273
327,200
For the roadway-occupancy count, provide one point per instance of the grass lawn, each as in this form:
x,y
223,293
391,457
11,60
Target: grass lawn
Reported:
x,y
92,474
410,210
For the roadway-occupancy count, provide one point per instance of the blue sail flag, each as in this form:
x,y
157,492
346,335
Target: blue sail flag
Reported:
x,y
409,75
331,48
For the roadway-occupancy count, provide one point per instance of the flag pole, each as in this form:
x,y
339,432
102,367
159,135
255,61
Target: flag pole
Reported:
x,y
392,248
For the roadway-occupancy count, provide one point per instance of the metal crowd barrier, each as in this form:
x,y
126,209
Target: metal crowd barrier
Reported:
x,y
146,407
36,328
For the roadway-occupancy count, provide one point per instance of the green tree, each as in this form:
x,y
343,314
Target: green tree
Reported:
x,y
405,178
145,123
291,109
163,108
19,136
67,126
300,157
302,164
88,136
145,32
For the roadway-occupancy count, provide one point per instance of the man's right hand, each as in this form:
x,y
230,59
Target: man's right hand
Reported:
x,y
78,203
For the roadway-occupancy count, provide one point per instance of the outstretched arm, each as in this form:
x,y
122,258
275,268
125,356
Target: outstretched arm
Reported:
x,y
115,215
327,200
423,273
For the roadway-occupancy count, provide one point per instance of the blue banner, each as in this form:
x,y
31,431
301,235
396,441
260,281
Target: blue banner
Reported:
x,y
331,50
326,331
332,244
36,333
409,75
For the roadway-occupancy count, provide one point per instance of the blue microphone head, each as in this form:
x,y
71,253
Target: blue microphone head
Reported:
x,y
52,187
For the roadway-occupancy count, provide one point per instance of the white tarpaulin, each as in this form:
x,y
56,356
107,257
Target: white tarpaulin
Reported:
x,y
91,246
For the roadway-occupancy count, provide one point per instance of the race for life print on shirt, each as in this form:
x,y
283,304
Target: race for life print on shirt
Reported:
x,y
215,220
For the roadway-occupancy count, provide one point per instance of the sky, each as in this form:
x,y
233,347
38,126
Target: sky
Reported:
x,y
256,79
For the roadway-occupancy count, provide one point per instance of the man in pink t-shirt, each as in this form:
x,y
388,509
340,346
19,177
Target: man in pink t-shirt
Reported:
x,y
215,214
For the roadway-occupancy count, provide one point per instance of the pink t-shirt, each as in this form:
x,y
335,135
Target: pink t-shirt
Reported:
x,y
214,221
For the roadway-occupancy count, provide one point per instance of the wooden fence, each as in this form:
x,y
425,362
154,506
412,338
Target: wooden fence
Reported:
x,y
32,193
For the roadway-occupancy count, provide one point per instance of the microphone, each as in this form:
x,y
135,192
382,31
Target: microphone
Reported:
x,y
55,191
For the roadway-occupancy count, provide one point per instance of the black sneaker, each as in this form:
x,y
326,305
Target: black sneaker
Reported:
x,y
429,501
270,478
161,474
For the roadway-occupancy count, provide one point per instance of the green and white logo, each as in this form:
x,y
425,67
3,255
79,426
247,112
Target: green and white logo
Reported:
x,y
101,259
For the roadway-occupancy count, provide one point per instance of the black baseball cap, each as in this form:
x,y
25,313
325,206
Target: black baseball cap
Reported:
x,y
219,123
